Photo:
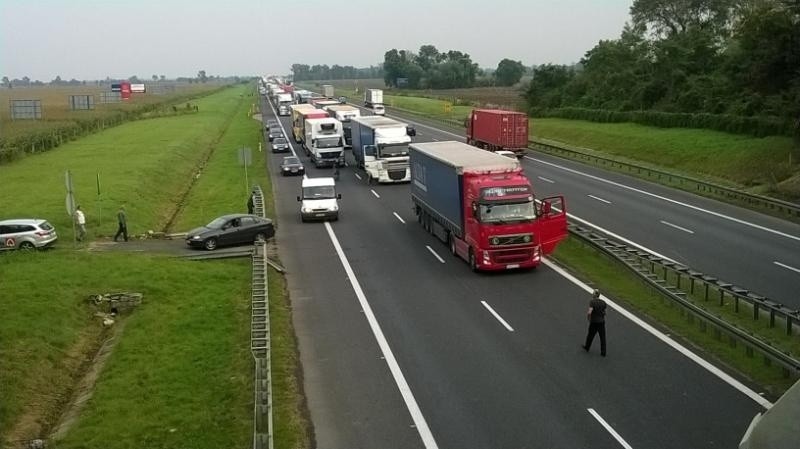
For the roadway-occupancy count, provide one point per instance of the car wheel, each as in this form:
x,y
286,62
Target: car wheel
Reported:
x,y
261,236
210,244
26,246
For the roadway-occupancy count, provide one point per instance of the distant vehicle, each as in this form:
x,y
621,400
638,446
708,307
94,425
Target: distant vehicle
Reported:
x,y
319,200
380,147
327,90
373,97
26,233
342,100
411,131
482,205
272,123
344,113
506,153
284,100
496,129
275,133
291,165
234,229
378,109
280,145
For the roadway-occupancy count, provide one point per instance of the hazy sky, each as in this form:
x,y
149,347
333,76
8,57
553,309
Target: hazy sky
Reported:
x,y
92,39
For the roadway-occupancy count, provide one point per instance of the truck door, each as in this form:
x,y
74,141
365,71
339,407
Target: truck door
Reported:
x,y
552,222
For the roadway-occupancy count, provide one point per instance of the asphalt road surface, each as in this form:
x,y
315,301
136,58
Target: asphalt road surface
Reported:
x,y
403,346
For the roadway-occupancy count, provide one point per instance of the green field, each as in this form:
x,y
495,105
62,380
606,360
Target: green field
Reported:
x,y
182,372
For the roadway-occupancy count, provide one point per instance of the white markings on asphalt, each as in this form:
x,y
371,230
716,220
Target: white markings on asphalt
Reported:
x,y
599,199
666,339
399,218
546,179
434,253
357,175
434,139
670,200
680,228
497,315
610,429
405,390
797,270
375,193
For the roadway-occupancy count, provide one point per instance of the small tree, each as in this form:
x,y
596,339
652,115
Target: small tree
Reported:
x,y
155,77
201,76
509,72
6,82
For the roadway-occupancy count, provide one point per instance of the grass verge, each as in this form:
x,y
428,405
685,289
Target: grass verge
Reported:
x,y
616,281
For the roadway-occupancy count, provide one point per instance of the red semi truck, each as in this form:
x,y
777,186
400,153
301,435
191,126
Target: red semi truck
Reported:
x,y
495,129
482,205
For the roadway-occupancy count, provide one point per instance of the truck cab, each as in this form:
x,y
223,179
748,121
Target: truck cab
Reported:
x,y
318,199
324,141
380,147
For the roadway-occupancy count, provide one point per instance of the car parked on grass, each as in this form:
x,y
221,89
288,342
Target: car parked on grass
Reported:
x,y
26,233
233,229
280,145
291,165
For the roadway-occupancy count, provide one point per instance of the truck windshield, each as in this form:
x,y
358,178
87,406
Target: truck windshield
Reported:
x,y
506,212
393,150
319,192
329,142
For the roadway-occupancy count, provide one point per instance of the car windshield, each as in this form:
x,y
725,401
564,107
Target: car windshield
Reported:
x,y
279,141
319,192
395,150
329,142
291,161
217,223
506,212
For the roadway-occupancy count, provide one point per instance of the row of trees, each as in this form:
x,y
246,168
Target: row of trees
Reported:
x,y
429,68
57,81
720,57
304,72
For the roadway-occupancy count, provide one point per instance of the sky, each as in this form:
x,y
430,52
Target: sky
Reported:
x,y
95,39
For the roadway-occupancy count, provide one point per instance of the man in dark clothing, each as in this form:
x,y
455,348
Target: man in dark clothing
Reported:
x,y
250,205
122,221
597,322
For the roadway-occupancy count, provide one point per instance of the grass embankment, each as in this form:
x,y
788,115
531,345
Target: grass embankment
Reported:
x,y
182,373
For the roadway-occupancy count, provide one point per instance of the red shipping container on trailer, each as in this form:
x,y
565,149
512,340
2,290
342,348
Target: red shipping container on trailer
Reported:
x,y
496,129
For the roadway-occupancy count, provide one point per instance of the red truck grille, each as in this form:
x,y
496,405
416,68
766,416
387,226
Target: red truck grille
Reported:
x,y
511,255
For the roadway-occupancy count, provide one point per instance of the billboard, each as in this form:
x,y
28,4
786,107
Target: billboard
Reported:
x,y
137,88
116,87
81,102
26,109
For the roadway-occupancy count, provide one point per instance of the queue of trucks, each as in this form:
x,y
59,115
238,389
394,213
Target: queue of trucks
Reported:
x,y
480,203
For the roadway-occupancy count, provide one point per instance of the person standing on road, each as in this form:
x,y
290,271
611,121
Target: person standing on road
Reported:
x,y
80,220
122,221
597,322
250,204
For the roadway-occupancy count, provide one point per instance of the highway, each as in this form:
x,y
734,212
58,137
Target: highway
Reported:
x,y
403,346
751,250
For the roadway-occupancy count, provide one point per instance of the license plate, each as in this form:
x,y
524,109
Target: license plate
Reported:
x,y
512,266
319,215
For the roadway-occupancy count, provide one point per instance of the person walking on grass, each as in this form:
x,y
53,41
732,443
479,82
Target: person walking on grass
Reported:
x,y
597,322
122,221
80,221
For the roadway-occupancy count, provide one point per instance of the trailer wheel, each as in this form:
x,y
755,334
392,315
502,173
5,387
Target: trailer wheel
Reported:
x,y
452,244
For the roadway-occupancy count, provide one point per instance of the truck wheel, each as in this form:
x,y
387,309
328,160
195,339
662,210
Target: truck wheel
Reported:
x,y
473,264
452,244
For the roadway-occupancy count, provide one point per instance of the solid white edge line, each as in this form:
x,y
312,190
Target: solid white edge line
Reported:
x,y
670,200
546,179
786,266
680,228
399,218
599,199
408,397
357,175
286,136
610,429
664,338
434,253
497,315
375,193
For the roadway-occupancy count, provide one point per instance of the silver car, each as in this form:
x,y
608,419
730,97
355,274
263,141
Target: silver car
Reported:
x,y
26,233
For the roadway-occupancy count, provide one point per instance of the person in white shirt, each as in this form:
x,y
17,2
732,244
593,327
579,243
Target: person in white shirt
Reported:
x,y
80,220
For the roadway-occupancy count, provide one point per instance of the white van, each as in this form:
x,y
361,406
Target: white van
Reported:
x,y
319,200
378,109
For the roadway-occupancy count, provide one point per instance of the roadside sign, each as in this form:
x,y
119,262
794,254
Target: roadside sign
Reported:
x,y
448,107
10,242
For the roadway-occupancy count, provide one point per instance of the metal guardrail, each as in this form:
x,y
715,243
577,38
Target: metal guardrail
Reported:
x,y
260,343
680,283
774,205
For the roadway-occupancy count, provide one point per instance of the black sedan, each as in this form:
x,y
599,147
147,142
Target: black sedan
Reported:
x,y
234,229
280,145
411,131
274,133
272,124
291,165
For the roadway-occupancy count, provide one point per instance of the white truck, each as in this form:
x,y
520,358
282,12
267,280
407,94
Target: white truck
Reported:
x,y
344,113
324,141
283,101
327,90
380,147
319,200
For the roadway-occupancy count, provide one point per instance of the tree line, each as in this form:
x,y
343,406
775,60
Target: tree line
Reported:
x,y
732,65
305,72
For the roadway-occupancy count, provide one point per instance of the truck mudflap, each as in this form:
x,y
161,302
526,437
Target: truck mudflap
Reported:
x,y
552,222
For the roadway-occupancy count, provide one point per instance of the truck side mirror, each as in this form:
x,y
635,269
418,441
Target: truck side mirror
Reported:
x,y
298,198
